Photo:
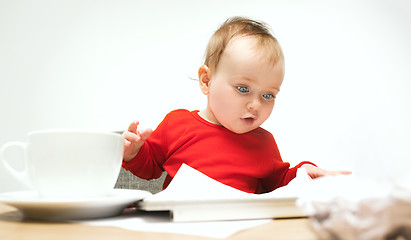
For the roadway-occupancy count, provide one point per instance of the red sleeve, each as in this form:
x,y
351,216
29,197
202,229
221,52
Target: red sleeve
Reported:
x,y
286,174
282,174
292,173
143,165
304,162
148,162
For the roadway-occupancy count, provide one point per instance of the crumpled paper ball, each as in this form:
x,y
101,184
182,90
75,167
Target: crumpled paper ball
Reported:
x,y
351,207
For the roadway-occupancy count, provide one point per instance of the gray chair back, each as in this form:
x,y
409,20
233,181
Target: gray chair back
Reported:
x,y
127,180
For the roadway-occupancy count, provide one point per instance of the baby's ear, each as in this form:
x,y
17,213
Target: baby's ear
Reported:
x,y
204,79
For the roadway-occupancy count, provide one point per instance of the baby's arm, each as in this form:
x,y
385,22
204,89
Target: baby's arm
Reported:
x,y
133,140
315,172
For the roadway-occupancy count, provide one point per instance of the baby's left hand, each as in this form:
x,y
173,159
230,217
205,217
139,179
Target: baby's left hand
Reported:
x,y
315,172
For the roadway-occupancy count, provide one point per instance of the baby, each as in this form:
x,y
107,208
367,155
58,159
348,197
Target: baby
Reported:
x,y
241,77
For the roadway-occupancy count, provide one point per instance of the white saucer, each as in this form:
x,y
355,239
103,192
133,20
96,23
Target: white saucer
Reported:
x,y
33,206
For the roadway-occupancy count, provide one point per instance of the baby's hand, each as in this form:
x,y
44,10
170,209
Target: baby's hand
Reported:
x,y
133,140
315,172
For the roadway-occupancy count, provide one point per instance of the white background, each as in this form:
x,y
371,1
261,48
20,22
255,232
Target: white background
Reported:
x,y
98,65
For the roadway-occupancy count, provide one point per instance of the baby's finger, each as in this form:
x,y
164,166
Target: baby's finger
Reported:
x,y
344,172
130,137
145,134
133,127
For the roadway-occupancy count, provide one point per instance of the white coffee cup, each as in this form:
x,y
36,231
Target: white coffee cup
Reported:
x,y
67,163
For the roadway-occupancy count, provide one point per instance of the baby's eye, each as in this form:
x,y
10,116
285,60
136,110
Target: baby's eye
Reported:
x,y
242,89
268,96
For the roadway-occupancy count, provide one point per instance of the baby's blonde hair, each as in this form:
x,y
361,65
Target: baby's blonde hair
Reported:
x,y
240,26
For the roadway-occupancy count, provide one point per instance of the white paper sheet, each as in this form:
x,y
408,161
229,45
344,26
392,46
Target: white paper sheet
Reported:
x,y
193,196
161,222
190,184
186,184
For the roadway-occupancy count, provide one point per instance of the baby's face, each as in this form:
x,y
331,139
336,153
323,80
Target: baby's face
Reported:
x,y
243,88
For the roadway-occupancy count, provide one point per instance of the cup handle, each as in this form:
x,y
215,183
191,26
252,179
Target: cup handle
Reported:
x,y
21,176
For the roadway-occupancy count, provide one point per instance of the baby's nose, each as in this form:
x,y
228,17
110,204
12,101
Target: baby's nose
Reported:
x,y
254,105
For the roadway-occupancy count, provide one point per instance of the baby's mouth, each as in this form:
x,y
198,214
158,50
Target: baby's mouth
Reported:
x,y
249,120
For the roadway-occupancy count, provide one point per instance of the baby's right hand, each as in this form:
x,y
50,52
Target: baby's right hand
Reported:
x,y
133,140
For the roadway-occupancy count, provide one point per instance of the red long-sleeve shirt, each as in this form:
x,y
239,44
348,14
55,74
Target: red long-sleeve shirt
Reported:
x,y
249,162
